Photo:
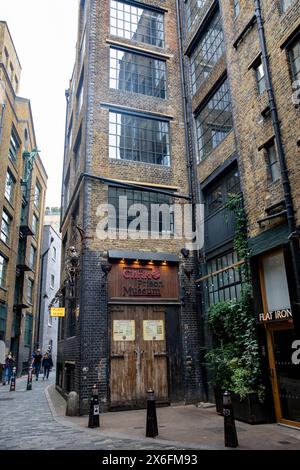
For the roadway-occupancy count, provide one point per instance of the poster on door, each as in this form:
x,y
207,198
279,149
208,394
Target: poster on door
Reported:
x,y
153,330
124,330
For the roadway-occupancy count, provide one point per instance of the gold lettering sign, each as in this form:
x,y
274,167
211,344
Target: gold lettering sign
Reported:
x,y
124,330
153,330
57,312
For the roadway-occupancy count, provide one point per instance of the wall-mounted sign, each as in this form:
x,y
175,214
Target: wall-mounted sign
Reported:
x,y
276,315
124,330
143,282
153,330
57,312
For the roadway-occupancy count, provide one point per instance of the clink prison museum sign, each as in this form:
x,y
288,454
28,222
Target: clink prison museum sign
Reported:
x,y
155,282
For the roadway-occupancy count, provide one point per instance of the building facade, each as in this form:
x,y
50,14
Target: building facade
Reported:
x,y
22,194
241,62
131,313
49,285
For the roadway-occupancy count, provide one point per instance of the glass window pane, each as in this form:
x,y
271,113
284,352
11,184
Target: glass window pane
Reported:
x,y
276,282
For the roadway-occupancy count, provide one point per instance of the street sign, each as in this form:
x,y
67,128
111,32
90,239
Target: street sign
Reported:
x,y
57,312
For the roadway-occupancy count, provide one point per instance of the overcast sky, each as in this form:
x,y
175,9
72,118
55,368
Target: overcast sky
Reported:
x,y
44,33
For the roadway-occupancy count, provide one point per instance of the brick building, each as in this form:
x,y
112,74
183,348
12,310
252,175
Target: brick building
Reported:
x,y
22,194
241,66
131,313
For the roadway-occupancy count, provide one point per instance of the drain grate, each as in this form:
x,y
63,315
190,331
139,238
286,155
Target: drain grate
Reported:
x,y
5,399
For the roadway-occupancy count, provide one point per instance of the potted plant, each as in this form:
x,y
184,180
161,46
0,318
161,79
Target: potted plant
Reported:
x,y
234,361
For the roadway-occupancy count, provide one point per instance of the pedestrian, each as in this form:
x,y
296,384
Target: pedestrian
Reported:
x,y
36,363
47,364
8,367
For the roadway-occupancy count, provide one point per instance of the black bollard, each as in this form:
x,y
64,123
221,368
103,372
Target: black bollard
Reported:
x,y
229,424
94,420
29,379
151,425
13,380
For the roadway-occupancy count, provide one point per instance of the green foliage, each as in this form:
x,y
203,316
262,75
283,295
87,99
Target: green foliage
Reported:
x,y
235,361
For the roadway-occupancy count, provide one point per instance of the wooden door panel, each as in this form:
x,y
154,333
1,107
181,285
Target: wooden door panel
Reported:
x,y
123,362
154,364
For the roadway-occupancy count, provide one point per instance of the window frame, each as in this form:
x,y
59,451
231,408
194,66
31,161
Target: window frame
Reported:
x,y
7,221
30,289
134,86
3,271
118,21
10,177
270,164
28,329
222,104
133,144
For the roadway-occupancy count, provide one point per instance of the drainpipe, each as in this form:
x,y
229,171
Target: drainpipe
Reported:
x,y
194,187
293,241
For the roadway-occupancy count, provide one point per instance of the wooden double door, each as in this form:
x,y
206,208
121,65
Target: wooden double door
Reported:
x,y
138,355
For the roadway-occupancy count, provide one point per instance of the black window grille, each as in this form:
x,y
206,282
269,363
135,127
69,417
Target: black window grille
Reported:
x,y
137,73
137,24
217,196
225,285
139,139
214,121
295,61
158,220
207,52
193,11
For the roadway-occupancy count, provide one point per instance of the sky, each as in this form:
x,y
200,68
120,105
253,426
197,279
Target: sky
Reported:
x,y
44,33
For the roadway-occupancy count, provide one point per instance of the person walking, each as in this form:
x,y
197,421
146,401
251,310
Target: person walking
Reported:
x,y
36,363
8,367
47,364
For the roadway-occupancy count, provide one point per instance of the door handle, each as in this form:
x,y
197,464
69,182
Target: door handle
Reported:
x,y
114,355
160,354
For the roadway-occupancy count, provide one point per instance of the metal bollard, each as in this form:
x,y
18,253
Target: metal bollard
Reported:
x,y
94,420
151,425
29,379
229,424
13,380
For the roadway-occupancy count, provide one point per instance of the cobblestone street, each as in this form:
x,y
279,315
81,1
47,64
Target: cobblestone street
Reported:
x,y
28,424
35,420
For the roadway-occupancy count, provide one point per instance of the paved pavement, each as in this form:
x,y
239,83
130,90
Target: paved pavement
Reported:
x,y
36,420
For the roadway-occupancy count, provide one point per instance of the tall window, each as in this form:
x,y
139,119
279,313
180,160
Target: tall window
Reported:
x,y
13,147
54,253
28,329
52,281
137,73
214,121
3,271
236,7
35,224
79,94
193,11
218,194
222,283
274,167
285,4
37,196
3,316
139,139
5,227
30,284
9,187
158,221
32,257
138,24
207,52
295,60
260,77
